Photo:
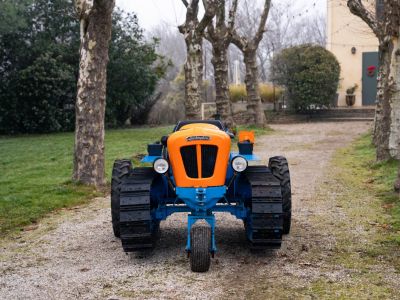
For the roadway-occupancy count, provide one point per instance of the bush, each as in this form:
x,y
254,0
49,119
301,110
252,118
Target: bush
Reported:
x,y
132,73
38,66
39,59
237,92
309,73
45,100
267,92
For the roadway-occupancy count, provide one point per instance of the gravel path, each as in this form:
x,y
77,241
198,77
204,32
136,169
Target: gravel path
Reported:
x,y
74,255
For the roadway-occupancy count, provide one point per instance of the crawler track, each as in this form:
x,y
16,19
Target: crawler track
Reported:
x,y
136,226
265,226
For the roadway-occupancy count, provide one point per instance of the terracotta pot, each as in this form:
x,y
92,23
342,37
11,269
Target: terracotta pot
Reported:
x,y
350,100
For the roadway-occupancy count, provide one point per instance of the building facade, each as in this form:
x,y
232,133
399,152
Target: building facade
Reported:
x,y
356,48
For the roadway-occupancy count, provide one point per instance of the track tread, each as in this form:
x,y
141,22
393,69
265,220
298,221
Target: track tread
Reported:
x,y
280,169
266,218
136,224
121,169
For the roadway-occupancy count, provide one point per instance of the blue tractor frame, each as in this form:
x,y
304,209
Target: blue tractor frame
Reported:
x,y
202,203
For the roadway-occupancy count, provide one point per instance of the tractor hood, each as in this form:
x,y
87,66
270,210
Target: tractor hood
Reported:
x,y
199,155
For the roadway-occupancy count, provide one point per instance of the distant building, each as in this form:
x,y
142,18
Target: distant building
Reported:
x,y
356,48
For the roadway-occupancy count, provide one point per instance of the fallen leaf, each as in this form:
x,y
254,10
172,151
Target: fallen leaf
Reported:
x,y
31,227
388,206
370,180
84,269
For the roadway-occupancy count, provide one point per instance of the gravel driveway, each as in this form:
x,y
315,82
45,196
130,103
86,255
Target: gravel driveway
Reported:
x,y
74,255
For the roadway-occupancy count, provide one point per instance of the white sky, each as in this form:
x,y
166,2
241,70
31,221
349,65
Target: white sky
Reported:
x,y
172,12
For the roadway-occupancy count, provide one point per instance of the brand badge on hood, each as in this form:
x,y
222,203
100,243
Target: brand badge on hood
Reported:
x,y
198,138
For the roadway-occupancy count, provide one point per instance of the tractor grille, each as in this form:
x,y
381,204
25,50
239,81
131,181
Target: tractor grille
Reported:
x,y
189,158
208,160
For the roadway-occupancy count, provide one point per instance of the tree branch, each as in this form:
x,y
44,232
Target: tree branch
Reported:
x,y
83,8
239,41
192,10
104,4
210,6
232,15
358,9
191,14
261,27
209,34
220,14
185,3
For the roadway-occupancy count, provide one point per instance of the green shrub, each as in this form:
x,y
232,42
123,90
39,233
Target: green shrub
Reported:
x,y
309,73
39,59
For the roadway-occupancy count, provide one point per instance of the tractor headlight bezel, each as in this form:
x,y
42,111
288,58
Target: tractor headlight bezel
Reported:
x,y
239,164
161,166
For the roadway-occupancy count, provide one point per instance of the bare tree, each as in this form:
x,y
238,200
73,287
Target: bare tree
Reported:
x,y
95,30
171,44
285,29
385,32
249,45
220,36
387,116
277,37
193,31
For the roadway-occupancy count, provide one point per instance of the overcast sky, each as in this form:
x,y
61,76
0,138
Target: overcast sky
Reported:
x,y
172,12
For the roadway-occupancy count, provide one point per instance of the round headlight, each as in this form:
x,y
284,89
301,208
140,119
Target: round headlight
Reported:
x,y
160,165
239,164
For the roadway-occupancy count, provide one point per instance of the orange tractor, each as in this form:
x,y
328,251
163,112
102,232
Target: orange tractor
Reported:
x,y
195,172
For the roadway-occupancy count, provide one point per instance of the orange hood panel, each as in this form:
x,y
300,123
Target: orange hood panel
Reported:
x,y
199,134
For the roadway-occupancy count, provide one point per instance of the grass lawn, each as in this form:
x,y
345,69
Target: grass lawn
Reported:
x,y
36,171
364,226
361,170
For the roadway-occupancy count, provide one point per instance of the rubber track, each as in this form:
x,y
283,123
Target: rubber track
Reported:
x,y
121,169
266,219
135,206
280,169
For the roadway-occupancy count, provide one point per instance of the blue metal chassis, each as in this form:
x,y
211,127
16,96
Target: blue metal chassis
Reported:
x,y
201,203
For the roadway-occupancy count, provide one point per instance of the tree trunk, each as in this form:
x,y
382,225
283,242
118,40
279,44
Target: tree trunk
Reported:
x,y
95,27
254,105
193,75
387,117
383,109
249,49
220,63
193,32
394,138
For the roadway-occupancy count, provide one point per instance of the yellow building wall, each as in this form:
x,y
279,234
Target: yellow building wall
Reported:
x,y
344,31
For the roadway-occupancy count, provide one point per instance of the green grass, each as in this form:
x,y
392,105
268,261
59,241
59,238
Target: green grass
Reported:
x,y
363,190
358,163
36,171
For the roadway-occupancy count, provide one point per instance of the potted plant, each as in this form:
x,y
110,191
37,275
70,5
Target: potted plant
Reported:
x,y
350,96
